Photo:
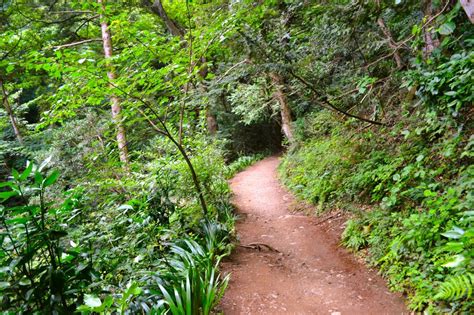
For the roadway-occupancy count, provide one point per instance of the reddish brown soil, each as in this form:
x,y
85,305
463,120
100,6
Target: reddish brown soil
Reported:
x,y
309,273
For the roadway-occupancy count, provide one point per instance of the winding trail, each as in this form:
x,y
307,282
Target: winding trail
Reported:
x,y
308,273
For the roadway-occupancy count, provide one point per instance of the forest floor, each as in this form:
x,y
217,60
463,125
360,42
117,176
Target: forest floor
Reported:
x,y
304,270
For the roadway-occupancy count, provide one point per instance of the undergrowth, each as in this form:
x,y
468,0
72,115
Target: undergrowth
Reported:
x,y
71,251
416,178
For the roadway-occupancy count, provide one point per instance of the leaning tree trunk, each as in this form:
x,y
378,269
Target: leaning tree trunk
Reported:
x,y
392,44
10,113
284,107
172,26
116,107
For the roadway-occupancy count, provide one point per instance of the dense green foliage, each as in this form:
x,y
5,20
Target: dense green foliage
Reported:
x,y
409,184
56,255
85,230
128,210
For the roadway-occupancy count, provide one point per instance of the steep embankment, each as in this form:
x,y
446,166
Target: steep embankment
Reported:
x,y
303,271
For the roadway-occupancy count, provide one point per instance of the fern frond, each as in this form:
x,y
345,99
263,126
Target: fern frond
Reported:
x,y
456,287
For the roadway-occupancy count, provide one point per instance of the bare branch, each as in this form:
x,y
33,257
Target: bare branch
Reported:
x,y
71,12
232,68
392,44
77,43
11,50
403,42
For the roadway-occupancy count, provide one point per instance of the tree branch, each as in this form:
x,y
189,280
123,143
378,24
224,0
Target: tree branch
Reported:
x,y
77,43
323,99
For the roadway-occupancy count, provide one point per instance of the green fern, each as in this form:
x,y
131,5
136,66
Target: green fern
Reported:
x,y
353,236
456,287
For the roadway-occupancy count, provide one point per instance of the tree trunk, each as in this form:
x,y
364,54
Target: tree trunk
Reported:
x,y
116,107
172,26
211,119
284,108
468,6
391,42
430,43
211,122
10,113
176,30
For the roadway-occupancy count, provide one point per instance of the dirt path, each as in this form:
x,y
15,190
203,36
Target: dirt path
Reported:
x,y
310,273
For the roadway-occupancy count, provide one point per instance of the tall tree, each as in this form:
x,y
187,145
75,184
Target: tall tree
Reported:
x,y
10,113
431,43
175,29
116,106
285,110
157,7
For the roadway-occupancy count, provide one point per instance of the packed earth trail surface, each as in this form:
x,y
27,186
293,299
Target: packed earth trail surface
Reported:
x,y
304,270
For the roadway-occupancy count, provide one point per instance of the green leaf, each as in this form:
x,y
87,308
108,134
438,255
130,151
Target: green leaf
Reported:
x,y
92,300
455,261
5,184
25,281
108,301
447,28
15,174
10,68
19,220
455,233
7,194
27,171
429,193
38,178
51,179
84,308
415,30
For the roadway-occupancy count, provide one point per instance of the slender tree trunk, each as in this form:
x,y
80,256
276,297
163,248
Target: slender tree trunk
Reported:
x,y
211,120
284,107
10,113
430,42
176,30
391,42
116,107
172,26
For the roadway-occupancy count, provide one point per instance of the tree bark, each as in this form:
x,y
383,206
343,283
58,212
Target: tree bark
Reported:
x,y
430,42
468,6
391,42
285,110
157,8
116,107
211,120
10,113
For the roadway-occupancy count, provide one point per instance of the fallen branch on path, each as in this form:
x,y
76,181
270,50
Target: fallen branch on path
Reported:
x,y
338,214
259,247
